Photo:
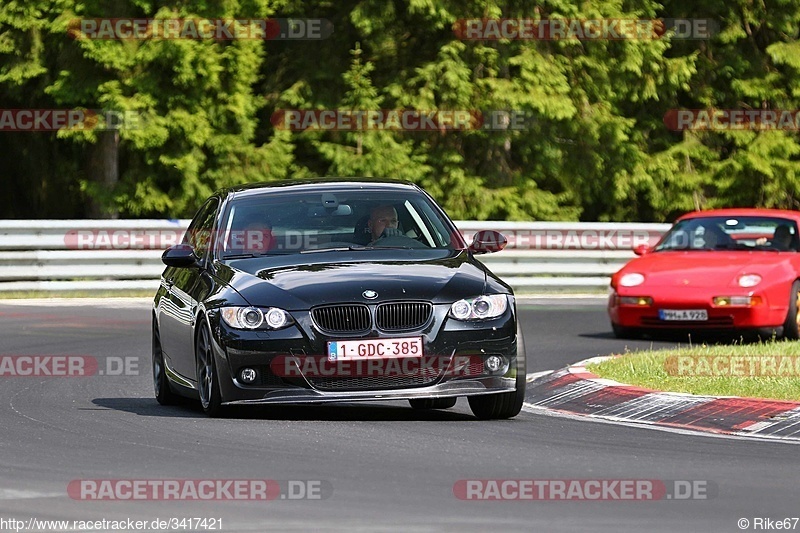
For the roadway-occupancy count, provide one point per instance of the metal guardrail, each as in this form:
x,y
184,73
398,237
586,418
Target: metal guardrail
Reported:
x,y
88,255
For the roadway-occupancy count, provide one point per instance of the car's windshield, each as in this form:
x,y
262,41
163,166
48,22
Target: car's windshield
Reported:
x,y
732,233
280,223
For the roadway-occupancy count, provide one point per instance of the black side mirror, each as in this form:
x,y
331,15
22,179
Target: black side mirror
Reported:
x,y
179,256
488,241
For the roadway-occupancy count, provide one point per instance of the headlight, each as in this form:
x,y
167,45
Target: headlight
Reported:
x,y
631,280
254,318
486,306
276,318
749,280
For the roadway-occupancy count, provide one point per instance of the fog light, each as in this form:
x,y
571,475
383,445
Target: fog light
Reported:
x,y
737,301
642,301
248,375
494,363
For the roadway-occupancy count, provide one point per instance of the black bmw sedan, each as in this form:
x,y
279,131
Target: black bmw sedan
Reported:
x,y
334,291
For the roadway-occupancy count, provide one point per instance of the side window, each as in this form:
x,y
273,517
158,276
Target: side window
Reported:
x,y
199,232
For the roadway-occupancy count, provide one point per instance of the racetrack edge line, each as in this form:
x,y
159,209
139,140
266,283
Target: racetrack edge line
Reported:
x,y
575,392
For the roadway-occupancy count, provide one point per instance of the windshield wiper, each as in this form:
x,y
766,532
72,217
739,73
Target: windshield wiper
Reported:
x,y
673,249
335,249
262,254
387,248
355,248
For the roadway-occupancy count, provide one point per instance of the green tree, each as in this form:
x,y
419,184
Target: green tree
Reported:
x,y
195,100
594,146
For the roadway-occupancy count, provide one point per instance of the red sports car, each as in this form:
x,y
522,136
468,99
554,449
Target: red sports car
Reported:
x,y
725,269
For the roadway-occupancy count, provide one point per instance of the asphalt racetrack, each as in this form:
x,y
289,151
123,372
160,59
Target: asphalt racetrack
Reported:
x,y
352,467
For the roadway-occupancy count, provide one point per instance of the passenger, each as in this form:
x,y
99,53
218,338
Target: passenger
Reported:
x,y
782,238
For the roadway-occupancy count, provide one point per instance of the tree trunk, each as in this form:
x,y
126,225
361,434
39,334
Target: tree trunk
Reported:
x,y
104,172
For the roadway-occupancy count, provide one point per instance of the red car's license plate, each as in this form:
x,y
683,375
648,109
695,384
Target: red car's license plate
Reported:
x,y
694,315
375,348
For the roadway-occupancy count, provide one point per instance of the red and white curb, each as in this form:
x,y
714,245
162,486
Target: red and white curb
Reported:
x,y
577,391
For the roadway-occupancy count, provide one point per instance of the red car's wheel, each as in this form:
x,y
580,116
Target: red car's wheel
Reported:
x,y
791,327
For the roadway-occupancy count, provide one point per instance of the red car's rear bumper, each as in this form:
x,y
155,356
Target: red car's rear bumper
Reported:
x,y
764,314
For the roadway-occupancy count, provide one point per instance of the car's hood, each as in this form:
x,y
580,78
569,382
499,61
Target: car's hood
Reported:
x,y
703,268
335,277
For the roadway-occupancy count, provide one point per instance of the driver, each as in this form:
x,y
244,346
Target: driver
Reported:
x,y
258,237
383,222
715,238
255,235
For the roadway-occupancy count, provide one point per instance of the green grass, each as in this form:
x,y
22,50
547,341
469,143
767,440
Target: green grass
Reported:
x,y
15,295
663,370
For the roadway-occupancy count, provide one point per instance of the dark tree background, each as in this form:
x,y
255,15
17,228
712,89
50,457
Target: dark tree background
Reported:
x,y
595,149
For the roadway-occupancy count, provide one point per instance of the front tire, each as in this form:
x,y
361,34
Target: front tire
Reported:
x,y
791,326
163,393
506,404
207,382
433,403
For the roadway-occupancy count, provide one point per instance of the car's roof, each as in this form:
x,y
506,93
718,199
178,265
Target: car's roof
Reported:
x,y
329,184
743,212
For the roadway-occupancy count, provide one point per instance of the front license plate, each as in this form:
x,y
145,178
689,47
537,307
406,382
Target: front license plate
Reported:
x,y
375,349
691,315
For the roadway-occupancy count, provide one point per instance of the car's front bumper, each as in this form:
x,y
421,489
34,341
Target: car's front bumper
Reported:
x,y
765,314
448,341
462,387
